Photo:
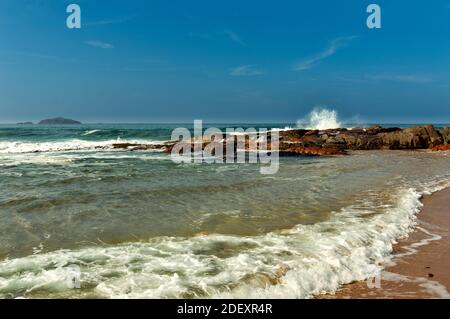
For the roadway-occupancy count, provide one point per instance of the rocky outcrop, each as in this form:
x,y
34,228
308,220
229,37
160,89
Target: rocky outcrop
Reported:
x,y
419,137
297,142
445,132
137,147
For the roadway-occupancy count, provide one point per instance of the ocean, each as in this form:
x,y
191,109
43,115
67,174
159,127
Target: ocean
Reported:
x,y
79,219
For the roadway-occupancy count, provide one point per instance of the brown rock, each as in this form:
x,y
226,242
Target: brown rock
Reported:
x,y
292,135
445,132
311,151
313,132
123,145
338,141
136,147
443,147
419,137
376,129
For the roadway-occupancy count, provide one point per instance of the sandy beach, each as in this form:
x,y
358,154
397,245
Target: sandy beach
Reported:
x,y
421,263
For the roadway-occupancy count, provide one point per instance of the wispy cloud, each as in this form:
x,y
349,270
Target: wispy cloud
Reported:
x,y
234,37
314,60
99,44
110,21
408,78
246,70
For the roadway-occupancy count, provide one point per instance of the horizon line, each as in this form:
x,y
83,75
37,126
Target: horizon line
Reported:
x,y
231,122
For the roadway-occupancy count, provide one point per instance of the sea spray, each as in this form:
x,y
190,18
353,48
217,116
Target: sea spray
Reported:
x,y
320,119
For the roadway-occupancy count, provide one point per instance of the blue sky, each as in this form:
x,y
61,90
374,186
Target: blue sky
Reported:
x,y
265,61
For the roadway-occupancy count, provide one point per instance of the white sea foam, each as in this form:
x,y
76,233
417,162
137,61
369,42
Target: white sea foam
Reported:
x,y
45,160
320,119
65,158
296,263
413,248
8,147
91,132
434,288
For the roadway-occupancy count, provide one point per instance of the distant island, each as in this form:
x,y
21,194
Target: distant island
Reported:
x,y
58,121
25,123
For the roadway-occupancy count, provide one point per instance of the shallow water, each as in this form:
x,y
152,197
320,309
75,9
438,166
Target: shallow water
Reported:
x,y
135,224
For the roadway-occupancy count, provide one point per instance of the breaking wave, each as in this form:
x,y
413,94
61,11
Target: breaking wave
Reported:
x,y
91,132
320,119
297,263
8,147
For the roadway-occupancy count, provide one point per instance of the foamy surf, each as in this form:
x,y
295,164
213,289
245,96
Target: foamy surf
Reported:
x,y
66,146
297,263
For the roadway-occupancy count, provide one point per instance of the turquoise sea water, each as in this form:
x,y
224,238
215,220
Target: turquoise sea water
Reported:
x,y
135,224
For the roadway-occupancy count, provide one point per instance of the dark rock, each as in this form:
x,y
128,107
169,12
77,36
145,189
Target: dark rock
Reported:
x,y
337,141
445,132
376,137
137,147
419,137
292,135
313,132
311,151
356,141
376,129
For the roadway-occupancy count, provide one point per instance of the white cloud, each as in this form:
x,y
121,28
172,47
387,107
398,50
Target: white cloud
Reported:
x,y
329,51
408,78
246,70
234,37
99,44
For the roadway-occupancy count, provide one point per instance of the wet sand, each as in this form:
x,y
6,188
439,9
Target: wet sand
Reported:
x,y
421,267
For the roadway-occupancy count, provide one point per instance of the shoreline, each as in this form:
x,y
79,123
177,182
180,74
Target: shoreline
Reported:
x,y
419,268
